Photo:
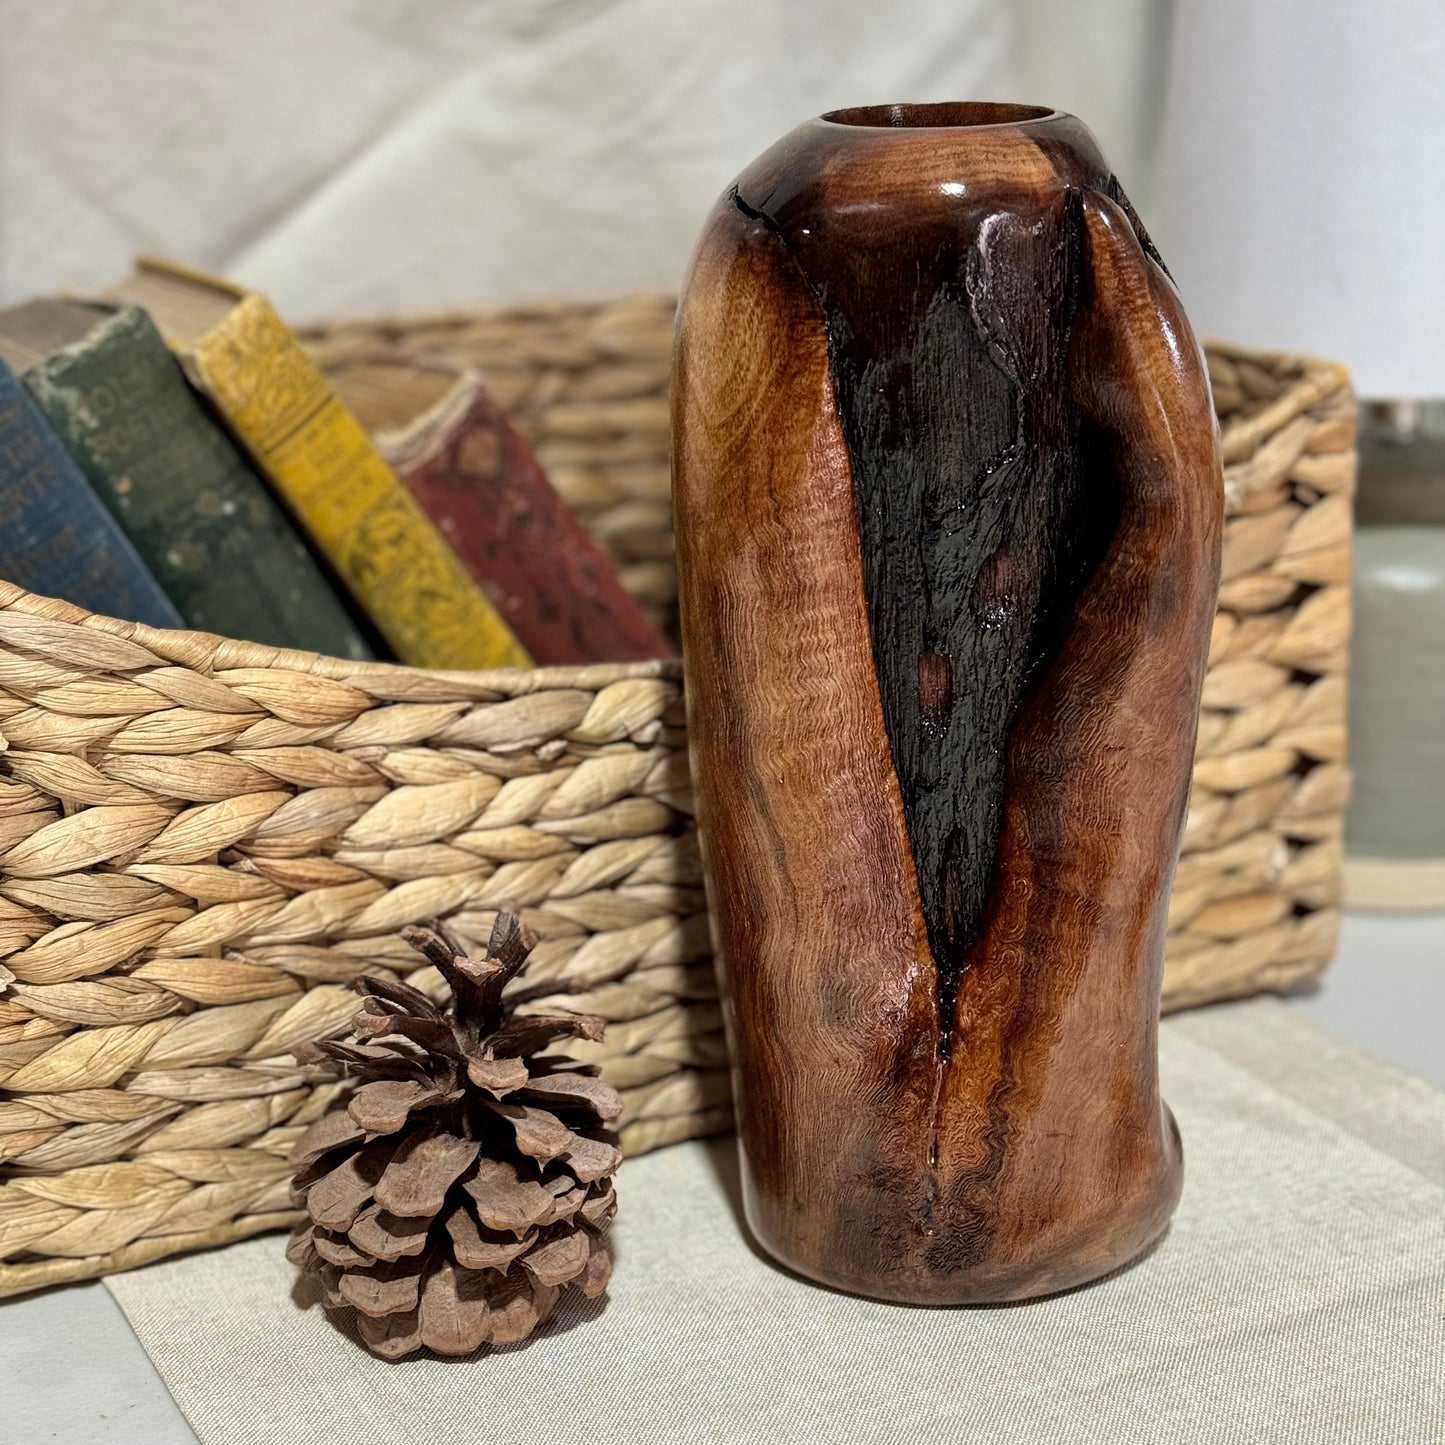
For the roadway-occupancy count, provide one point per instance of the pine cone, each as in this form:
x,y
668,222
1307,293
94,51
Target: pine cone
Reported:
x,y
467,1181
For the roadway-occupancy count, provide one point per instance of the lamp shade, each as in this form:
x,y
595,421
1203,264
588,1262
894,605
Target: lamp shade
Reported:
x,y
1300,197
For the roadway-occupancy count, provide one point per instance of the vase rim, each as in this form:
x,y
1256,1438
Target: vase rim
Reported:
x,y
938,115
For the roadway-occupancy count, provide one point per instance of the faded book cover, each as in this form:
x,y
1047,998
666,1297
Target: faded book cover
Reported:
x,y
207,526
480,482
56,536
350,502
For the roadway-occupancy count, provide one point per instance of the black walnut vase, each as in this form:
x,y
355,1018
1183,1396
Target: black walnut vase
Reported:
x,y
948,505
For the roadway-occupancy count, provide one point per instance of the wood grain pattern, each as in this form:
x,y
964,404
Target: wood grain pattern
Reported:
x,y
948,503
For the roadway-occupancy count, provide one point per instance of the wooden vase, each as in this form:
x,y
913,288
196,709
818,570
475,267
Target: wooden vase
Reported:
x,y
948,506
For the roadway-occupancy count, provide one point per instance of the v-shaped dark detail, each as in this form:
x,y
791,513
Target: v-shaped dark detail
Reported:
x,y
984,504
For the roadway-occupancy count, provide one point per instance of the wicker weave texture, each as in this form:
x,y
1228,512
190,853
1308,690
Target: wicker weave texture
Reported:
x,y
1256,897
201,840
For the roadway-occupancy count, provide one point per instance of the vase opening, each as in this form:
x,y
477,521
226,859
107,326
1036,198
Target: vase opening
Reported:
x,y
938,114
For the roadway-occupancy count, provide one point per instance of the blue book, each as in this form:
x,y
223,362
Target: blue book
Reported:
x,y
56,536
206,525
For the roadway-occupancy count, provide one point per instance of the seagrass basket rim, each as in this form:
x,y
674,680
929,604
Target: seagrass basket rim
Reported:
x,y
100,641
1308,379
532,309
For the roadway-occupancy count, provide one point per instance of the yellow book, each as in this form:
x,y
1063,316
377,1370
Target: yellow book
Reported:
x,y
321,461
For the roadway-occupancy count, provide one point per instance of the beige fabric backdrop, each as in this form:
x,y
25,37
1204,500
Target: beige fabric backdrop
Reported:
x,y
1299,1296
354,155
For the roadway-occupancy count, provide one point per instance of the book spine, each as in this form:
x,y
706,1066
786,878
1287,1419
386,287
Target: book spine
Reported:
x,y
356,511
56,537
206,524
480,483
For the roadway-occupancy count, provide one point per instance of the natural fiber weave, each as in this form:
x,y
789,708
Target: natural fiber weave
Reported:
x,y
201,840
1256,897
204,839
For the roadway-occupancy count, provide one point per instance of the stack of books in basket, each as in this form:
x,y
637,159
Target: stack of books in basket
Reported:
x,y
170,454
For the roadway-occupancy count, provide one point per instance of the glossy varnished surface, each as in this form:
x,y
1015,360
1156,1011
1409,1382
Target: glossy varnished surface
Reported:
x,y
948,511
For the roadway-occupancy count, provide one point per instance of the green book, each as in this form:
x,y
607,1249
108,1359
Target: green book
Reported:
x,y
217,541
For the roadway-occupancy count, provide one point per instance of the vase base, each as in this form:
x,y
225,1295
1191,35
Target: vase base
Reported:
x,y
1016,1271
1002,1294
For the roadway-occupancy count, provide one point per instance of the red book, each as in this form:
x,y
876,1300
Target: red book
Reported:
x,y
478,480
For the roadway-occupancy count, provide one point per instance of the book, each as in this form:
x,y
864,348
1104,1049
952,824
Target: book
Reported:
x,y
207,526
336,484
56,536
480,482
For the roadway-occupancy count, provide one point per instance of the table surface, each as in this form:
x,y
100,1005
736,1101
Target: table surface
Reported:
x,y
75,1372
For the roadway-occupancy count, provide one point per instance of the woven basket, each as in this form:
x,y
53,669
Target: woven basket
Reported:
x,y
201,840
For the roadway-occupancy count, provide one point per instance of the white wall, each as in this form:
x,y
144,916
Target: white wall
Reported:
x,y
1301,196
358,155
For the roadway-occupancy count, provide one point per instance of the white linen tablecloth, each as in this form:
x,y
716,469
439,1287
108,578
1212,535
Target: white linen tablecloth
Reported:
x,y
1299,1295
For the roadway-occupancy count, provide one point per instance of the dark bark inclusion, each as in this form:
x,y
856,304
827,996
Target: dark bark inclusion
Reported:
x,y
984,505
